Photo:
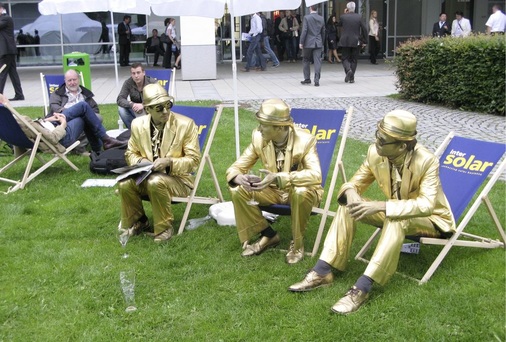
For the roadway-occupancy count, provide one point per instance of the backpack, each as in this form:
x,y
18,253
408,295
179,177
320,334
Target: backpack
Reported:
x,y
105,161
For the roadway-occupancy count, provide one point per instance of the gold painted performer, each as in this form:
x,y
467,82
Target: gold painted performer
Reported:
x,y
292,175
408,175
170,141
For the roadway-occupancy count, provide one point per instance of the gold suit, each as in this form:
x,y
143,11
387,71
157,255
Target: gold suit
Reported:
x,y
180,143
423,210
298,184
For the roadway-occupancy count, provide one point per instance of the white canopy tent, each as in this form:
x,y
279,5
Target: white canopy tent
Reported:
x,y
198,8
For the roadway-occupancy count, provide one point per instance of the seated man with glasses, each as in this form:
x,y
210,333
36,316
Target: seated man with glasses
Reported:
x,y
169,141
415,205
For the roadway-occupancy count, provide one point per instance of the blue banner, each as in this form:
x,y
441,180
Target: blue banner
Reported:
x,y
203,117
162,76
325,126
464,165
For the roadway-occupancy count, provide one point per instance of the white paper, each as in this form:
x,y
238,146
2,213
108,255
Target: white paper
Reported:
x,y
98,182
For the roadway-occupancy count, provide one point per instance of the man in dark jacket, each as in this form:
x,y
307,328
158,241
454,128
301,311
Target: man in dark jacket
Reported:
x,y
154,45
124,34
353,35
441,28
8,53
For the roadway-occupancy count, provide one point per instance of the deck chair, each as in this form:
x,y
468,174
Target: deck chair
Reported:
x,y
49,85
11,132
203,117
166,78
325,125
461,177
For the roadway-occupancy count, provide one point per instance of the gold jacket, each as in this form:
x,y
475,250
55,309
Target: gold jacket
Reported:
x,y
421,192
302,165
179,142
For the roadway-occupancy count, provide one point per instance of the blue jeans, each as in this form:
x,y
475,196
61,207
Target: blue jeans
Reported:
x,y
127,115
267,45
291,48
81,117
254,48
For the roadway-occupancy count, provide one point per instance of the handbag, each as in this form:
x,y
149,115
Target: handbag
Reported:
x,y
164,38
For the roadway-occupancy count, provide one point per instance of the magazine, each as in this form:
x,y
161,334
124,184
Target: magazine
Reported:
x,y
141,170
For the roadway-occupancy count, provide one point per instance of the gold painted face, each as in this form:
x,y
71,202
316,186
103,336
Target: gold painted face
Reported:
x,y
159,112
388,147
269,132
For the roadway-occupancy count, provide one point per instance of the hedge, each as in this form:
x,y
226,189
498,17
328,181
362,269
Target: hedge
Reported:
x,y
466,73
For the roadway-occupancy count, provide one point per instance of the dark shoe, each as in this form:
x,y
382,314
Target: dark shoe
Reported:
x,y
17,98
305,82
109,142
351,302
244,70
138,228
311,281
316,84
164,236
349,76
260,246
155,65
275,65
352,80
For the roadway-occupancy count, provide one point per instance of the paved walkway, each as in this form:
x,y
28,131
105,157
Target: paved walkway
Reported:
x,y
367,96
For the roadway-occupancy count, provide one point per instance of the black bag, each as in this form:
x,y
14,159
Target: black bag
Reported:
x,y
164,38
105,161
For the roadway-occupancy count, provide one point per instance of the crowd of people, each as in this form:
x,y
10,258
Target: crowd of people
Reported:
x,y
288,156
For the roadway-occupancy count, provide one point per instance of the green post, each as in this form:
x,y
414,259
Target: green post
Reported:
x,y
80,62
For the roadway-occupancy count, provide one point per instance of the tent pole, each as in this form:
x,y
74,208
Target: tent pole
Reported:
x,y
114,50
234,80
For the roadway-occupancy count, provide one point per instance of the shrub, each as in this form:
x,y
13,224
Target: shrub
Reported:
x,y
466,73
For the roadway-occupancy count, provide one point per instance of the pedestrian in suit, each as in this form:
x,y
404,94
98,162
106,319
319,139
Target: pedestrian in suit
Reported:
x,y
441,28
353,35
8,53
311,43
124,34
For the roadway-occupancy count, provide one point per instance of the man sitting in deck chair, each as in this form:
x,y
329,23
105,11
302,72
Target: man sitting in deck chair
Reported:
x,y
408,175
66,127
292,175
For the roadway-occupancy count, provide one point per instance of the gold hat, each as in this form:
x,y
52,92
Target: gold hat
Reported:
x,y
398,124
154,94
274,112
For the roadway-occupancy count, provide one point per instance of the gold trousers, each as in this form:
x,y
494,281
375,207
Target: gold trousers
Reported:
x,y
160,188
385,258
249,219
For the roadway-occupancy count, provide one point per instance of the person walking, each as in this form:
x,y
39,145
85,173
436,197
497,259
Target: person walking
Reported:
x,y
332,39
311,43
8,53
353,35
373,37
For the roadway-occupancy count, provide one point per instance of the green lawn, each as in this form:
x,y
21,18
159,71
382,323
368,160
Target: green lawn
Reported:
x,y
60,261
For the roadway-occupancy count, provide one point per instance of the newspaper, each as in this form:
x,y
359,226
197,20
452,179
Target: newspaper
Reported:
x,y
142,170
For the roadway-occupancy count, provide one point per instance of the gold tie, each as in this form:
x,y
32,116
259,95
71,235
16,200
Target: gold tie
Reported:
x,y
396,182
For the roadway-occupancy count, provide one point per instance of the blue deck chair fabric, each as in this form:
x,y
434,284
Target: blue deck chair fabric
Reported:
x,y
11,132
465,165
203,117
163,76
53,82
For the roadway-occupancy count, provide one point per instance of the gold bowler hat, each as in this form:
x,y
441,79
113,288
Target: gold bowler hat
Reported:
x,y
398,124
154,94
274,112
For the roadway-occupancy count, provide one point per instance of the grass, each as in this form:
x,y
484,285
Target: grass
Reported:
x,y
60,263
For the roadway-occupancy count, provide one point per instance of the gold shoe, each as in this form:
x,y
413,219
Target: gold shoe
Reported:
x,y
260,246
351,302
294,255
311,281
164,236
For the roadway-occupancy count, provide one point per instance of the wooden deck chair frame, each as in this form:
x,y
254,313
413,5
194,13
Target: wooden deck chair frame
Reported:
x,y
47,90
31,153
205,159
473,240
336,171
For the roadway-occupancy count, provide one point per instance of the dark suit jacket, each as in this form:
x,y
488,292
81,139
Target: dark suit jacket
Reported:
x,y
353,30
7,42
148,43
313,31
124,38
441,32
